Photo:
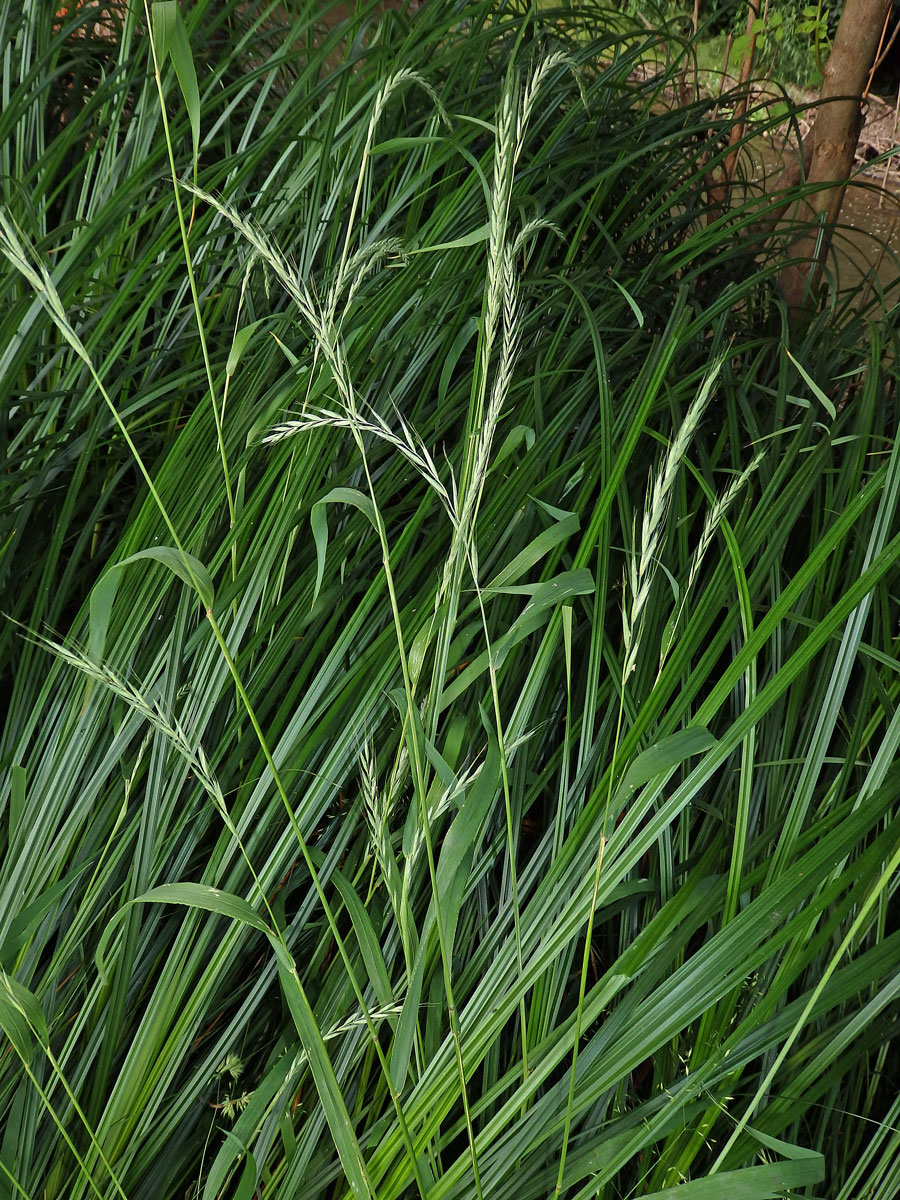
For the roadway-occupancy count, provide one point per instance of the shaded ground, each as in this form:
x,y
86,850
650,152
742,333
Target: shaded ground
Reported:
x,y
867,241
868,237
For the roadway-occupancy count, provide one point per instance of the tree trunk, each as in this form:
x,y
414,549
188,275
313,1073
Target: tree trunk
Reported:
x,y
836,133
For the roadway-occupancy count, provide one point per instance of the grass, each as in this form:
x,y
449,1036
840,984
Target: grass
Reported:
x,y
451,631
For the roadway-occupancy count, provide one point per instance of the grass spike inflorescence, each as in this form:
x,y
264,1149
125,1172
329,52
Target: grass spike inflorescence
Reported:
x,y
496,871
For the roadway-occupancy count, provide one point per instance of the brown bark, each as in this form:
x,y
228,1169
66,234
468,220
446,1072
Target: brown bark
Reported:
x,y
738,129
718,185
836,133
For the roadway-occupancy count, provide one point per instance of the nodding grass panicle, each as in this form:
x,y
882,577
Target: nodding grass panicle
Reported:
x,y
643,560
580,817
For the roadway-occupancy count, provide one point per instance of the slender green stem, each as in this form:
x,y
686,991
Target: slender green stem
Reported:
x,y
586,953
201,332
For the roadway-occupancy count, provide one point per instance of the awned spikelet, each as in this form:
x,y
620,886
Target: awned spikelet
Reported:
x,y
362,836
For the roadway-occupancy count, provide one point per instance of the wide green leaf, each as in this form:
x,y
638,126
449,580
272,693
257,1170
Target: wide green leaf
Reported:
x,y
170,38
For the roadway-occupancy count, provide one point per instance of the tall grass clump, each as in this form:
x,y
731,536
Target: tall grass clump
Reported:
x,y
450,629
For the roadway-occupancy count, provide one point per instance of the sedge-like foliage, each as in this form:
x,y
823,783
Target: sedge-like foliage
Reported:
x,y
479,778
